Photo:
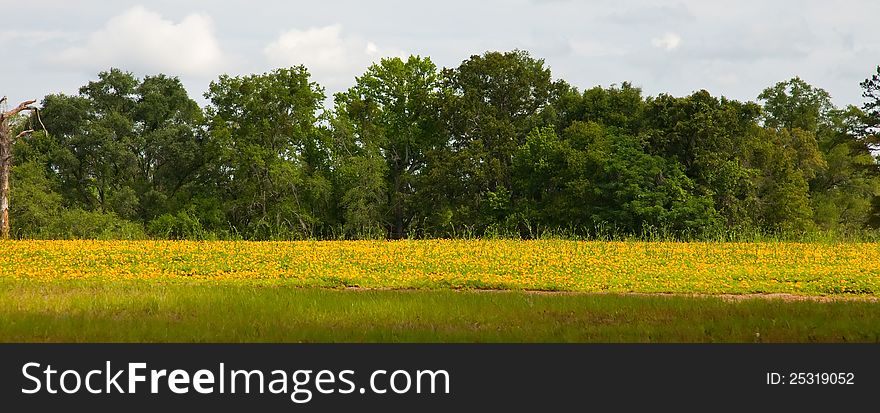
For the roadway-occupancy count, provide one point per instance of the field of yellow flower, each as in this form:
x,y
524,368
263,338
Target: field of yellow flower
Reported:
x,y
551,265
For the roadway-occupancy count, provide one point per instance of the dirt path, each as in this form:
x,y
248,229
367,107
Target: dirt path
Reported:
x,y
742,297
727,297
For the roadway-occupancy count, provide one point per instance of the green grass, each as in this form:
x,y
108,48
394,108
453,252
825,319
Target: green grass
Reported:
x,y
140,311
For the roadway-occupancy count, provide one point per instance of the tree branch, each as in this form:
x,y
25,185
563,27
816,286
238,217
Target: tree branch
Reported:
x,y
21,107
24,133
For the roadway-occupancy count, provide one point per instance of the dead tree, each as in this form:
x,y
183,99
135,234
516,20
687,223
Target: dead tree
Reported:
x,y
6,142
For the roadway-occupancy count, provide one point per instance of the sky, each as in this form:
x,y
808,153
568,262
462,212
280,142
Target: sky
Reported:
x,y
734,49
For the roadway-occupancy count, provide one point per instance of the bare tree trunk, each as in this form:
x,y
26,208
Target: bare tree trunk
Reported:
x,y
6,142
5,160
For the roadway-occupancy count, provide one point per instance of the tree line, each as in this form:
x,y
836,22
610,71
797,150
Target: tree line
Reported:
x,y
494,147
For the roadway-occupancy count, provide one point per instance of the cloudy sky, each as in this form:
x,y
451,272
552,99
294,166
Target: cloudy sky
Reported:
x,y
729,48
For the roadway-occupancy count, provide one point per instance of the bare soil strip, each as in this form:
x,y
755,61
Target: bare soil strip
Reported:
x,y
726,297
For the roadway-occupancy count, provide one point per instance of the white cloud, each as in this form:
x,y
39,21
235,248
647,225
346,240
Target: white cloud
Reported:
x,y
585,42
141,40
668,42
331,57
371,49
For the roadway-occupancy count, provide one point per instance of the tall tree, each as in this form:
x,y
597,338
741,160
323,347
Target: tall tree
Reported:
x,y
391,113
596,179
95,130
6,144
829,149
795,104
494,101
124,145
167,145
272,153
871,93
622,107
783,203
712,139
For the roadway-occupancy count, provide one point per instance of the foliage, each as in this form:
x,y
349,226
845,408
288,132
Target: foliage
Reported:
x,y
270,155
123,146
495,147
385,128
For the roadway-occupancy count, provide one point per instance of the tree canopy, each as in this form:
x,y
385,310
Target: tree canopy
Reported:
x,y
495,146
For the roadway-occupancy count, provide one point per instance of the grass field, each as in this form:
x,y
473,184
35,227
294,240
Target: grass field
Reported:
x,y
402,291
88,311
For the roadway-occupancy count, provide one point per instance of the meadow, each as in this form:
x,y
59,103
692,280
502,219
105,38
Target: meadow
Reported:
x,y
436,290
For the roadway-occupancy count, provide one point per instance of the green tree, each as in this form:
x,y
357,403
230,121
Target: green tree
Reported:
x,y
713,140
37,204
871,132
597,178
621,106
843,192
125,146
271,153
783,191
95,134
830,152
493,102
390,114
795,104
167,145
871,93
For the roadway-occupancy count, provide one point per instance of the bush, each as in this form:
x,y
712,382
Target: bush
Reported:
x,y
80,224
182,225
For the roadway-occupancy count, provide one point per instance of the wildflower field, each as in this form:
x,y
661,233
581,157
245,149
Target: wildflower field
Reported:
x,y
553,265
428,291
